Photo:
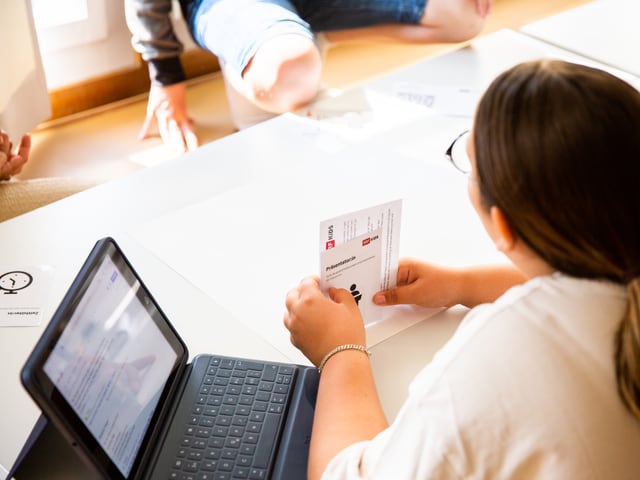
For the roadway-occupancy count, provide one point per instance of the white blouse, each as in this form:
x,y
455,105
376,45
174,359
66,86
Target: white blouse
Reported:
x,y
524,389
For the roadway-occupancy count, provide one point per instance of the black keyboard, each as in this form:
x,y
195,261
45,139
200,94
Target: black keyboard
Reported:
x,y
235,422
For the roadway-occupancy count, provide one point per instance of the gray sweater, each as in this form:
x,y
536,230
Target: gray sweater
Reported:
x,y
154,38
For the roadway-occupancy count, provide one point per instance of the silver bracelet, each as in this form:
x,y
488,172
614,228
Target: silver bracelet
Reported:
x,y
341,348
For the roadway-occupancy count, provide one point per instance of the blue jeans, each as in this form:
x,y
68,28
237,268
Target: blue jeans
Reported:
x,y
234,29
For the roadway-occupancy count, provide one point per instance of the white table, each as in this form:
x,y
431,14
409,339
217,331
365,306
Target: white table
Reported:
x,y
603,30
61,235
266,189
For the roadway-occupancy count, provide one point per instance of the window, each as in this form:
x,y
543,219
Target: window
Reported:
x,y
68,23
87,55
81,39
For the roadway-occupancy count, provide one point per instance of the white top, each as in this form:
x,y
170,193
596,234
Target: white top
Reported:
x,y
524,389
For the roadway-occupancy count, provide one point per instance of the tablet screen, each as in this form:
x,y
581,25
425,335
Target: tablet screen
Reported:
x,y
112,361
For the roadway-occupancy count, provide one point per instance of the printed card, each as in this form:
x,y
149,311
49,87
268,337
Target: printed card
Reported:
x,y
359,252
24,291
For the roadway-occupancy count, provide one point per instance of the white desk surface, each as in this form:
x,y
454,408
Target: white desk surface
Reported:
x,y
475,66
283,175
603,30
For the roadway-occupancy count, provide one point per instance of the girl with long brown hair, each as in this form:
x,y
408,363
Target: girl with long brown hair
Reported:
x,y
542,378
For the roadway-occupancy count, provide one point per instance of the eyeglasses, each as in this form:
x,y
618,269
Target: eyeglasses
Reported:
x,y
457,153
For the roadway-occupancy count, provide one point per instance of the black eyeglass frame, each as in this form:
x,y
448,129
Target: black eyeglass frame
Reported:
x,y
449,153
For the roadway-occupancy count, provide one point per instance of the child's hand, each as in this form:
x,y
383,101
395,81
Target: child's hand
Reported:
x,y
12,163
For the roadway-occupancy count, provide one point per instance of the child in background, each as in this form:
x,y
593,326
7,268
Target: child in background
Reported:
x,y
270,51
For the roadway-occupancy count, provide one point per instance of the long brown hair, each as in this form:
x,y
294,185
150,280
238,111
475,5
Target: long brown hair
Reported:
x,y
558,151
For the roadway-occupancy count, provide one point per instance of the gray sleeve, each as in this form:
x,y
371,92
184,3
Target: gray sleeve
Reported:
x,y
154,38
150,24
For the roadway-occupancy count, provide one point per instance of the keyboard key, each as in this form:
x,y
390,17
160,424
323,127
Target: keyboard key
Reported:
x,y
263,396
219,431
251,438
248,365
257,474
279,388
243,410
247,449
266,386
266,440
249,390
209,465
229,454
270,372
254,427
240,421
198,444
227,410
278,398
227,363
241,472
212,454
232,442
260,407
223,420
206,422
195,455
216,442
190,467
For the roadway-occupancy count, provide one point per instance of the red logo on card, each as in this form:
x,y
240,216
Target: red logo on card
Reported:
x,y
330,244
366,241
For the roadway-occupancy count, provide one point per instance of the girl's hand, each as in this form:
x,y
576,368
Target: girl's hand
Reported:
x,y
318,324
422,283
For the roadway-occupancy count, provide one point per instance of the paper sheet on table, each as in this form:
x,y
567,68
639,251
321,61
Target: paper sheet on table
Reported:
x,y
444,99
359,252
358,114
24,291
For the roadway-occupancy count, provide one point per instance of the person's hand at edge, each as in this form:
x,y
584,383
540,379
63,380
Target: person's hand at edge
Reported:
x,y
12,163
167,105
